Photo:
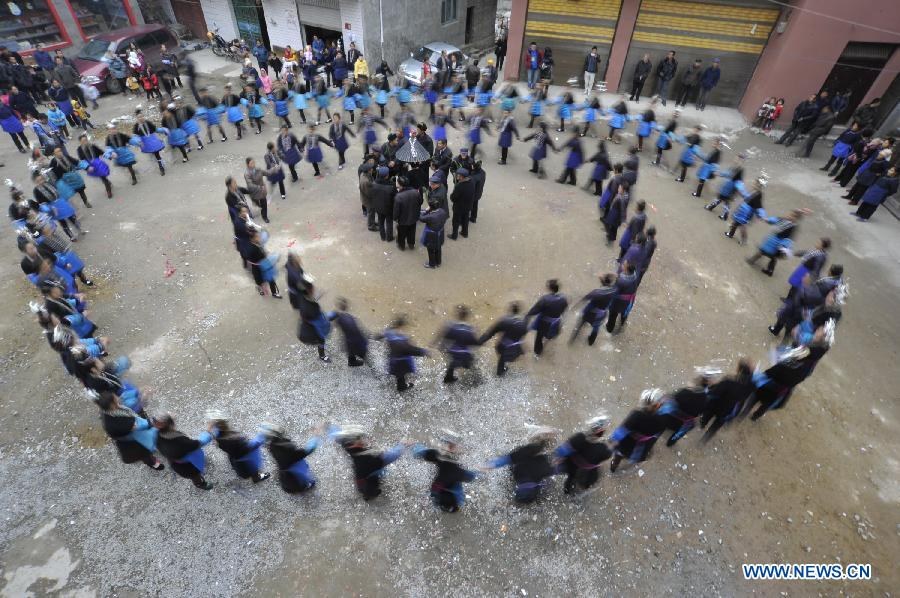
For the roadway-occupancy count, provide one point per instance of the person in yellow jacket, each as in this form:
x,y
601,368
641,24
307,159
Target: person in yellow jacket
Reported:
x,y
360,67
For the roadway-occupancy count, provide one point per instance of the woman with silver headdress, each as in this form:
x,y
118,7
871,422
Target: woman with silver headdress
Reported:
x,y
185,454
751,207
54,245
447,486
775,385
263,265
529,464
52,203
134,436
66,308
91,159
779,242
726,398
369,463
635,437
294,474
581,455
244,454
683,408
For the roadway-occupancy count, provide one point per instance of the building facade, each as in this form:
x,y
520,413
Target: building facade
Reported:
x,y
61,24
782,49
380,29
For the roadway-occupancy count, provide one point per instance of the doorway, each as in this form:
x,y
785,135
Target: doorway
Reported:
x,y
856,70
251,21
470,24
324,34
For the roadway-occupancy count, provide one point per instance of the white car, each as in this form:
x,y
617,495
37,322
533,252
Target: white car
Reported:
x,y
411,68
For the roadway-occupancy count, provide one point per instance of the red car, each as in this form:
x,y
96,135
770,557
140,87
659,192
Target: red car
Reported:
x,y
147,38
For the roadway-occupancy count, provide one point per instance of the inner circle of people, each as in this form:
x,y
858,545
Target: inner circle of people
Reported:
x,y
403,182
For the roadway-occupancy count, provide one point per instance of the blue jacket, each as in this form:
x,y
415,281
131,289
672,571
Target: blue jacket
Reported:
x,y
261,53
43,59
710,77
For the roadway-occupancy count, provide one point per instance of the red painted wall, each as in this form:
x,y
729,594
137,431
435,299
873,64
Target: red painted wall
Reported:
x,y
517,16
796,63
621,40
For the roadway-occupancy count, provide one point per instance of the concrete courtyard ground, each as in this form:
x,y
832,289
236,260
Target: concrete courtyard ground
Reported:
x,y
814,483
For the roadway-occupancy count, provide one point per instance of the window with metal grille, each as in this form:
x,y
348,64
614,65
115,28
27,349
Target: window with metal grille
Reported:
x,y
448,11
335,4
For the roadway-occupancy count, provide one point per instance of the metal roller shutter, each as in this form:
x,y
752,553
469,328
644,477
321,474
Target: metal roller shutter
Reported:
x,y
735,31
570,28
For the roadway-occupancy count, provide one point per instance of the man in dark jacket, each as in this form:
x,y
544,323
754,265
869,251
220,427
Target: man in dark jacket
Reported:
x,y
69,78
804,116
473,74
591,66
708,80
442,158
665,72
479,176
867,115
407,207
381,195
821,127
433,235
500,51
462,198
689,81
437,191
641,72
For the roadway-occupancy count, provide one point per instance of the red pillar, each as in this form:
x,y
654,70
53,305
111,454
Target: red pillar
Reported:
x,y
621,40
515,39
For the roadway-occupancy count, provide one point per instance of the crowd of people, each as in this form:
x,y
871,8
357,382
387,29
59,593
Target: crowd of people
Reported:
x,y
411,169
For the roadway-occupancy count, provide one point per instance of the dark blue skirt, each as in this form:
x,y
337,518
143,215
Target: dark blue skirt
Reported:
x,y
12,124
841,150
99,168
191,126
177,137
599,173
292,156
440,133
314,155
340,144
281,108
573,160
538,153
124,156
371,138
73,180
235,115
151,144
506,139
475,136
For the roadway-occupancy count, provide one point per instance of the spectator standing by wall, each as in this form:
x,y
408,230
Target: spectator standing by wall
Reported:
x,y
533,58
665,72
708,81
641,72
591,66
690,79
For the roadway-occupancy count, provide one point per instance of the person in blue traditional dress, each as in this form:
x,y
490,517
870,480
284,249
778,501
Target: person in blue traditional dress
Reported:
x,y
596,305
664,140
92,155
57,206
636,435
122,154
186,118
690,153
512,328
400,352
539,151
592,110
751,207
52,244
646,125
601,169
185,454
338,132
68,180
876,195
457,339
356,342
726,398
300,94
314,327
176,137
281,98
635,225
843,146
350,91
811,262
618,117
134,436
367,122
732,182
10,122
212,111
323,99
477,123
149,141
458,97
254,102
263,266
294,474
547,313
683,408
311,143
369,463
529,464
626,288
506,130
384,92
288,148
447,487
233,112
616,207
66,308
431,94
778,242
580,456
244,454
574,159
274,171
538,98
710,166
566,105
